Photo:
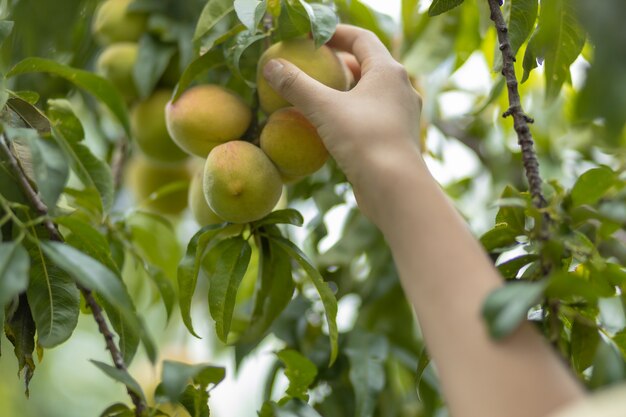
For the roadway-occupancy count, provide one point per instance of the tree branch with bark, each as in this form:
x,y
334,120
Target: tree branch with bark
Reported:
x,y
521,120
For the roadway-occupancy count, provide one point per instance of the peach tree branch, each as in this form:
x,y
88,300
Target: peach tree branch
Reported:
x,y
521,120
40,207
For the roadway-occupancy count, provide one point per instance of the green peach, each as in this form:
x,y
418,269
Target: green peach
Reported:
x,y
114,23
148,127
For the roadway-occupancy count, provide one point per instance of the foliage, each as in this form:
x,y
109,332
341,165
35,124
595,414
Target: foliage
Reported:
x,y
64,136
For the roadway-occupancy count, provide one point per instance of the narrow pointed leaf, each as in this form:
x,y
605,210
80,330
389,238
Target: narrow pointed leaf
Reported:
x,y
121,376
14,266
225,275
441,6
326,295
100,87
92,275
189,268
368,354
53,298
507,306
300,372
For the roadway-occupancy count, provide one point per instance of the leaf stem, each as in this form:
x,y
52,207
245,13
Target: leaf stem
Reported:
x,y
39,206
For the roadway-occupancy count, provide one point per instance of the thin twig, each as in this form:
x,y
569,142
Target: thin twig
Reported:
x,y
520,119
39,206
118,160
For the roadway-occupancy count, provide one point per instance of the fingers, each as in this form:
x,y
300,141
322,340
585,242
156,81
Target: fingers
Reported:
x,y
352,64
294,85
361,43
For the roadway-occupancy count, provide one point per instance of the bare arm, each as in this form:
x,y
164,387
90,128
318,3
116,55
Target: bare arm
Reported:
x,y
372,132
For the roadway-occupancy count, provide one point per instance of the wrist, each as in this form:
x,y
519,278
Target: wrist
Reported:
x,y
386,176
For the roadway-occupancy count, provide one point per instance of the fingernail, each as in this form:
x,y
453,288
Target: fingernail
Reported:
x,y
271,67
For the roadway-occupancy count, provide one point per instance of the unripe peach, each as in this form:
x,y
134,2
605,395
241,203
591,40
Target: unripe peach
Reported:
x,y
197,203
146,177
116,63
240,183
114,23
206,116
148,127
293,144
321,64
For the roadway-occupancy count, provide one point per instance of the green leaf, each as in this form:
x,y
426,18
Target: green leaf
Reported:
x,y
510,268
204,62
14,266
30,115
620,340
584,344
507,306
152,60
176,375
368,354
274,290
293,21
522,18
593,185
512,210
50,167
292,408
53,298
117,410
121,376
558,41
195,401
92,275
286,216
250,12
501,236
323,20
225,275
164,252
326,295
566,285
604,94
166,290
243,41
68,132
213,12
300,372
189,268
441,6
91,241
20,330
100,87
608,367
86,238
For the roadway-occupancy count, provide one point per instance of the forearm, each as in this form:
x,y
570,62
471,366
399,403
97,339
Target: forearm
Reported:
x,y
446,276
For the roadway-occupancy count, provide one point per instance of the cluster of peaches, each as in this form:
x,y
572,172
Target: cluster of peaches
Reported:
x,y
231,179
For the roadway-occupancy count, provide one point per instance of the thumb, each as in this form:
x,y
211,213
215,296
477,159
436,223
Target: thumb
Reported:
x,y
294,85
